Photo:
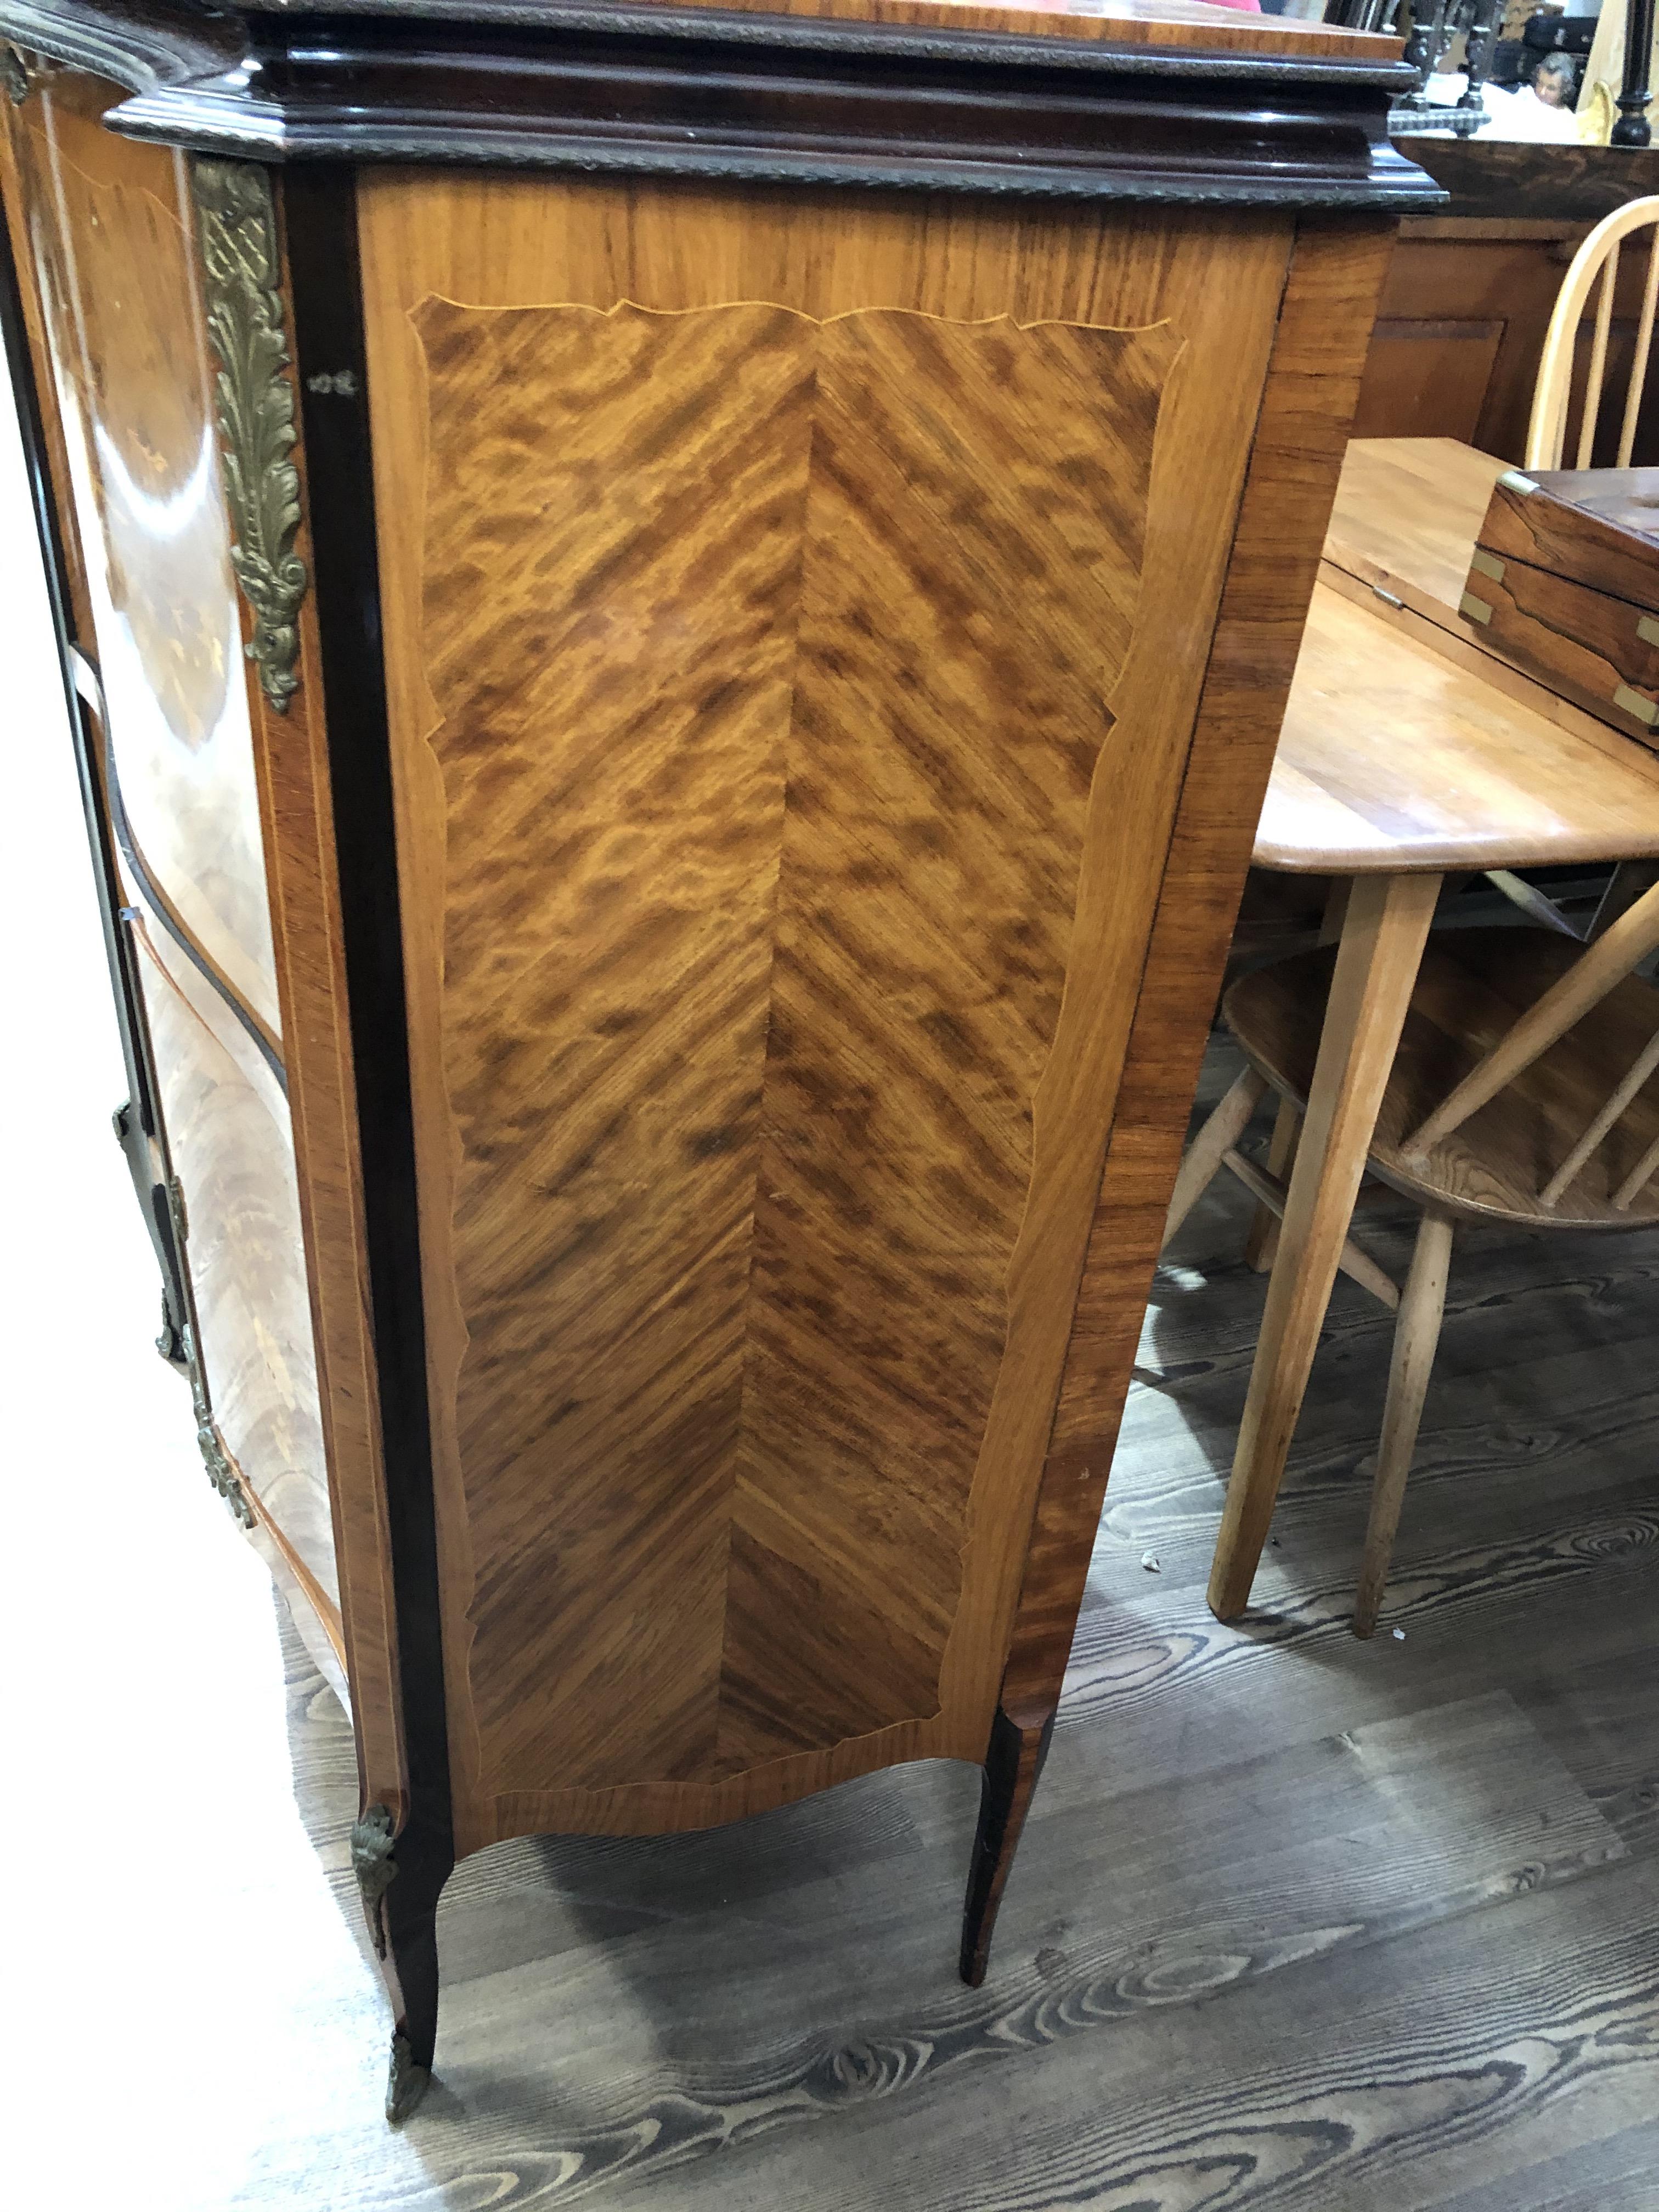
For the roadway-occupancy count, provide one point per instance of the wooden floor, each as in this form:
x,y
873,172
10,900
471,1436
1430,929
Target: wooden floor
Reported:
x,y
1298,1920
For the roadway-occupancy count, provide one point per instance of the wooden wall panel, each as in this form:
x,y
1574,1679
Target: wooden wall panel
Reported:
x,y
781,815
1460,333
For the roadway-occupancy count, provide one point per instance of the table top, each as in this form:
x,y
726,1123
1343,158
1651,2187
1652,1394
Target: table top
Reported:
x,y
1406,748
1407,515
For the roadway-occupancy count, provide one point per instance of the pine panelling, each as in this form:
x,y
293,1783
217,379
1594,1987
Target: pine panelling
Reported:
x,y
780,830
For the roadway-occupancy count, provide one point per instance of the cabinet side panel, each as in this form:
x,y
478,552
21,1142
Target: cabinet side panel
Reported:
x,y
1313,382
791,664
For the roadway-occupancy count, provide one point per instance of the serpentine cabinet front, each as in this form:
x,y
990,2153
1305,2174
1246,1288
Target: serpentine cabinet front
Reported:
x,y
673,760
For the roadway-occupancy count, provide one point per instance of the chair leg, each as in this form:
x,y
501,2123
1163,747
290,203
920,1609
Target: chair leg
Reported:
x,y
1219,1135
1262,1242
1416,1336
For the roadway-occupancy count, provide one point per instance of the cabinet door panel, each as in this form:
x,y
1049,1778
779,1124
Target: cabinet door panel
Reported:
x,y
233,1153
110,237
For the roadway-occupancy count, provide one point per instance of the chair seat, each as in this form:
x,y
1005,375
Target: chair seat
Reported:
x,y
1471,986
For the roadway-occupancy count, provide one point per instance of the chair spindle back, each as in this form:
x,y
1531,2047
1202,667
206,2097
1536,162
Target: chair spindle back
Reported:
x,y
1546,432
1601,967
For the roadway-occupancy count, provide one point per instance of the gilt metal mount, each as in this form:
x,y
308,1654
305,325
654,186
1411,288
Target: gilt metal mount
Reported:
x,y
221,1469
406,2082
372,1843
242,271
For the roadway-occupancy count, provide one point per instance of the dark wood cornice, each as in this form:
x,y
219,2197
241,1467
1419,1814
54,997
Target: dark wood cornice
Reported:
x,y
648,91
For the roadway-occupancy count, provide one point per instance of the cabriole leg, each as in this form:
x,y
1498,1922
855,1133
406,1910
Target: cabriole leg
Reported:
x,y
1012,1764
401,1877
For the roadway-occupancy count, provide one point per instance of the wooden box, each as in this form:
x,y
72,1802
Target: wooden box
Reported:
x,y
1564,582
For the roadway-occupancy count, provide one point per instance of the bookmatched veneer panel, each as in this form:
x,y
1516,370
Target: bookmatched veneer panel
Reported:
x,y
772,947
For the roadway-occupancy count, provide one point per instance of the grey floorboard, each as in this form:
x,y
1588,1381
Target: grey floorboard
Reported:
x,y
1620,2174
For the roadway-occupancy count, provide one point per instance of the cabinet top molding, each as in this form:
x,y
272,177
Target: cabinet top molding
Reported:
x,y
1141,99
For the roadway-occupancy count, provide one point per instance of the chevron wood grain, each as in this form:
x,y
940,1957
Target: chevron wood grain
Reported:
x,y
790,665
755,942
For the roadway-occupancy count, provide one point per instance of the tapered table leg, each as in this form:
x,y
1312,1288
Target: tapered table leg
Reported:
x,y
1383,936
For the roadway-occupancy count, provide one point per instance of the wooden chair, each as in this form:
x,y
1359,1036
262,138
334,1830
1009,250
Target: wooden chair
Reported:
x,y
1546,432
1521,1092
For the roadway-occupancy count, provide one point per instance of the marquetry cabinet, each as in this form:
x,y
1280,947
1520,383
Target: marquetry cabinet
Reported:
x,y
676,618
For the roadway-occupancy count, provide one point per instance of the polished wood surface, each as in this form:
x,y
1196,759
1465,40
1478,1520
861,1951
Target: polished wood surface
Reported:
x,y
1312,379
109,235
1395,756
1246,113
229,1146
703,1009
33,305
1407,511
1598,526
110,239
800,608
108,229
1190,23
291,755
1581,643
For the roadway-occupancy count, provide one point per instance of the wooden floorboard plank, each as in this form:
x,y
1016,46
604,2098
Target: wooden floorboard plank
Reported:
x,y
1602,1720
1619,2174
1442,2063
